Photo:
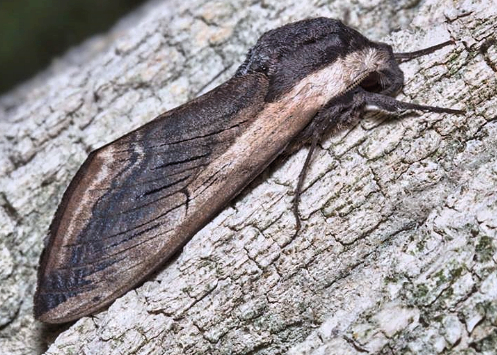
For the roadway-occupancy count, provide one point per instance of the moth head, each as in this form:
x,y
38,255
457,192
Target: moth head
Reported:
x,y
290,53
382,72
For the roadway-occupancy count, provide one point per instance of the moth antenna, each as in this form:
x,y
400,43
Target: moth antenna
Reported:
x,y
300,183
390,104
436,109
406,56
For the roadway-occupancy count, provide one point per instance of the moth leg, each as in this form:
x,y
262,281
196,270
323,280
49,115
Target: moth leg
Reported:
x,y
300,182
333,115
389,104
406,56
342,111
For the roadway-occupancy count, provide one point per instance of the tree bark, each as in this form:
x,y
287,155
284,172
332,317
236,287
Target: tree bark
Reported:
x,y
398,249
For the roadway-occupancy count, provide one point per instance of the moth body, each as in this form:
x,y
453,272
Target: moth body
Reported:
x,y
136,201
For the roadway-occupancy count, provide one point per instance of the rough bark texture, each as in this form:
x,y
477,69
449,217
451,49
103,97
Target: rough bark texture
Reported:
x,y
398,249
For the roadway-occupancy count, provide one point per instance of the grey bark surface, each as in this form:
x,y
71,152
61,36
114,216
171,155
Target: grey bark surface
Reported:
x,y
398,249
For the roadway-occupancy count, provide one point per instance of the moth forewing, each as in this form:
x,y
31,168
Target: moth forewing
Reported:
x,y
121,216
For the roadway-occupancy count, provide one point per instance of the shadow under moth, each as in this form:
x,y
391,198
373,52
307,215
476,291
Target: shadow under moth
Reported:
x,y
136,201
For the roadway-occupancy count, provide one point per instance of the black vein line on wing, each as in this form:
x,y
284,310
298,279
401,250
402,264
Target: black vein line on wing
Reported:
x,y
130,210
185,191
179,190
129,172
154,191
81,288
86,263
152,180
156,200
137,244
109,256
210,181
103,279
130,167
108,215
183,161
92,261
208,135
90,287
87,241
236,125
149,221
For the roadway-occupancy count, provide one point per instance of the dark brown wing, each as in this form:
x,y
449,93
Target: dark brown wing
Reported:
x,y
123,214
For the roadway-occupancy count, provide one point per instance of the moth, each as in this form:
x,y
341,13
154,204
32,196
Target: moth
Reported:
x,y
136,201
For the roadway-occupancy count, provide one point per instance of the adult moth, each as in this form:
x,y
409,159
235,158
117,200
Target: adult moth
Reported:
x,y
137,200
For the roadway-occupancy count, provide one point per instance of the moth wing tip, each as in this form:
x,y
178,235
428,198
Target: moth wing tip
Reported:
x,y
43,312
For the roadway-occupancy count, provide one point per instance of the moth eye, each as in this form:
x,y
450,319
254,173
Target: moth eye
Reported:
x,y
372,83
